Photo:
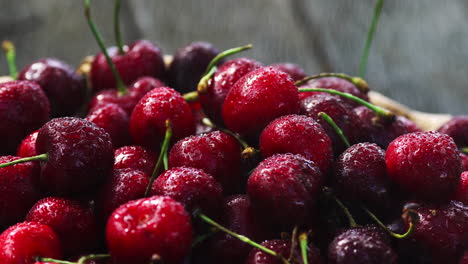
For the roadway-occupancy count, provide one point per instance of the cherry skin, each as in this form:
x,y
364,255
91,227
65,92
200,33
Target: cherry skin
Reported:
x,y
298,134
284,189
464,161
217,153
295,71
136,158
462,191
65,89
23,242
188,65
457,128
24,108
27,148
191,187
141,58
141,228
219,85
127,101
425,164
464,259
73,222
282,247
80,156
18,190
114,120
258,98
148,120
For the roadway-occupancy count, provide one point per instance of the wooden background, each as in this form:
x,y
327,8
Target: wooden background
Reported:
x,y
419,57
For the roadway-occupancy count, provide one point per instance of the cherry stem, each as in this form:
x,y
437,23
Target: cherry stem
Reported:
x,y
335,127
117,32
303,244
360,83
352,222
242,238
393,234
81,260
370,37
120,84
381,112
211,69
42,259
293,243
10,54
464,150
44,156
164,148
191,96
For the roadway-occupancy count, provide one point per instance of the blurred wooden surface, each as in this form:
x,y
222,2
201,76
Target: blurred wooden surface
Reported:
x,y
419,56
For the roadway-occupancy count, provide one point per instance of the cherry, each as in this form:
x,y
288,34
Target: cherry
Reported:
x,y
147,123
191,187
150,227
25,241
24,108
27,148
189,64
295,71
135,158
213,96
258,98
464,258
114,120
73,222
360,174
360,245
464,161
284,189
65,89
426,164
462,191
18,190
217,153
283,248
457,128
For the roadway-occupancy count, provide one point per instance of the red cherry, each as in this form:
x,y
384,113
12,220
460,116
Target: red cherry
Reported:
x,y
25,241
136,158
140,229
27,148
457,128
464,161
462,191
295,71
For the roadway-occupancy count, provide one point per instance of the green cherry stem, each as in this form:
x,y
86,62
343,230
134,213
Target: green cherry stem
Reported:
x,y
191,96
465,150
120,84
42,259
335,127
351,220
303,244
393,234
164,148
117,32
40,157
293,243
211,68
370,37
381,112
10,54
241,237
360,83
84,259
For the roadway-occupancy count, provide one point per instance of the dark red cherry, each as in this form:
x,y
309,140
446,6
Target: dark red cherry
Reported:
x,y
295,71
217,153
298,134
464,161
142,228
141,58
191,187
258,98
23,242
282,247
188,65
284,189
65,89
361,245
464,258
360,175
457,128
127,101
80,155
335,83
219,85
18,190
114,120
136,158
72,221
148,120
27,148
425,164
24,107
462,191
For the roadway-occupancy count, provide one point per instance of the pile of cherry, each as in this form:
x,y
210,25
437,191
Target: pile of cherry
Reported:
x,y
210,160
